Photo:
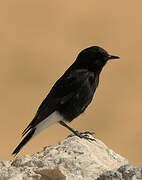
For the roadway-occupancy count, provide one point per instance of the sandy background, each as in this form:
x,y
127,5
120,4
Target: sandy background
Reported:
x,y
39,39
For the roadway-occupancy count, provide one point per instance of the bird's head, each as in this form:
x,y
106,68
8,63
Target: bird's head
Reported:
x,y
94,58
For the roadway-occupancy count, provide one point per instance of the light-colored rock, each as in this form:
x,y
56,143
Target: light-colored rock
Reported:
x,y
71,159
126,172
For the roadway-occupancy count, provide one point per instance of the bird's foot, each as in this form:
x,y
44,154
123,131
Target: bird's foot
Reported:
x,y
88,132
85,135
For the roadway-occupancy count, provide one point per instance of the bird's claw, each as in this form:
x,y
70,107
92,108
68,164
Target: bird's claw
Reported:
x,y
87,132
85,135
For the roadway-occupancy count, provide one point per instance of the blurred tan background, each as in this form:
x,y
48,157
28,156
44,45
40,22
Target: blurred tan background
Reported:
x,y
39,40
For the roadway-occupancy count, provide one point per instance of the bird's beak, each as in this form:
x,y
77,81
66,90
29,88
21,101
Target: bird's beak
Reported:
x,y
113,57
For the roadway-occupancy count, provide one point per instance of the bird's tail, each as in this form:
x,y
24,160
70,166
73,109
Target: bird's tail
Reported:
x,y
32,131
24,141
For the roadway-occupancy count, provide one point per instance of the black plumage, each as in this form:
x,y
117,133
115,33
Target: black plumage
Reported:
x,y
71,94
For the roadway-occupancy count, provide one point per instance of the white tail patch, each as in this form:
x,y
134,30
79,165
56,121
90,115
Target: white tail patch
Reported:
x,y
50,120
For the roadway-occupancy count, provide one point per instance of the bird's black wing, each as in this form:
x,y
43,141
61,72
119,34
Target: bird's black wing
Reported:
x,y
60,93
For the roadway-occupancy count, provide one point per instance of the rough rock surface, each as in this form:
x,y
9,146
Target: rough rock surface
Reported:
x,y
126,172
71,159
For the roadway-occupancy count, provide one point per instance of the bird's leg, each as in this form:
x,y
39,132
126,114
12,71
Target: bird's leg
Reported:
x,y
81,135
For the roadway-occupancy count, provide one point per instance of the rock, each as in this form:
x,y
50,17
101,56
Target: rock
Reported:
x,y
126,172
71,159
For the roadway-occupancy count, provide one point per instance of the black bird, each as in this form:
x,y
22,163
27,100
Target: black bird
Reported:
x,y
70,95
